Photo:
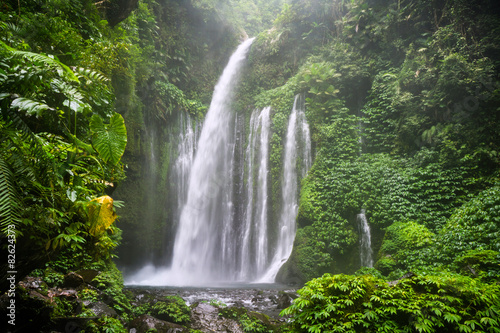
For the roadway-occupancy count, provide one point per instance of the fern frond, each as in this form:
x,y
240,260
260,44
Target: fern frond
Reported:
x,y
29,106
24,139
3,76
10,27
49,61
9,200
90,75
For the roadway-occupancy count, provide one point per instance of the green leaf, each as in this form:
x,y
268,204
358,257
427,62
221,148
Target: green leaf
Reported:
x,y
50,61
29,106
110,139
71,194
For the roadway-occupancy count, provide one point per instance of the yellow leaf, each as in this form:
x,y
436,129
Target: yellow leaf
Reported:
x,y
101,215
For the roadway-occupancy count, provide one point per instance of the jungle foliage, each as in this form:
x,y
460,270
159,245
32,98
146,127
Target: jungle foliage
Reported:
x,y
447,303
404,106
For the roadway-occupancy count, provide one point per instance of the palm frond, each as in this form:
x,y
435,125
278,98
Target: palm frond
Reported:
x,y
66,89
23,138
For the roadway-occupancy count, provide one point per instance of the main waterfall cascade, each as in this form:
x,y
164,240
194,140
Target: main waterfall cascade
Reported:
x,y
224,226
365,243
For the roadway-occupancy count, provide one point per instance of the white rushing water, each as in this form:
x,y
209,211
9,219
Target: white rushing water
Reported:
x,y
186,145
202,244
202,237
224,233
254,240
365,243
297,133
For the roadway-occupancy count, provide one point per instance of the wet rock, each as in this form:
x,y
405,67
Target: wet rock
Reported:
x,y
31,282
32,309
284,300
261,317
101,309
205,317
69,294
88,274
395,282
70,324
145,323
72,280
118,10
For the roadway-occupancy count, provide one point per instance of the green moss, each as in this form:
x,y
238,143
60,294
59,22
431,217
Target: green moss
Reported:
x,y
104,325
110,283
63,307
173,309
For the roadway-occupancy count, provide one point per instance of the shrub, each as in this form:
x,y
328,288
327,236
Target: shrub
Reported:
x,y
341,303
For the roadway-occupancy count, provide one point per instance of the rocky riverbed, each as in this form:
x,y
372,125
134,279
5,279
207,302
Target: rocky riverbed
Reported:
x,y
217,309
96,302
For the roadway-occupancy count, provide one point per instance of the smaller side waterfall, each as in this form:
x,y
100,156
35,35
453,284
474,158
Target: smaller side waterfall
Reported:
x,y
186,146
365,243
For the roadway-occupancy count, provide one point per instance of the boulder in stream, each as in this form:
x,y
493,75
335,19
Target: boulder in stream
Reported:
x,y
145,323
101,309
205,317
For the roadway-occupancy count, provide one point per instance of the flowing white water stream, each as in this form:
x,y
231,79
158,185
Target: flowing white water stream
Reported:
x,y
204,234
365,243
254,240
181,169
297,134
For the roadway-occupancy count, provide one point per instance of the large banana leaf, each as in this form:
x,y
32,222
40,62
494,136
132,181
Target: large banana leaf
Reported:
x,y
110,139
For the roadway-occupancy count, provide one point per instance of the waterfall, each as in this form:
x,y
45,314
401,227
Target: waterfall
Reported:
x,y
181,169
365,243
224,231
297,126
254,240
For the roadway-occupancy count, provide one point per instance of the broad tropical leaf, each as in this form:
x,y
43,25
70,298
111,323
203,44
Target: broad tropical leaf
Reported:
x,y
109,139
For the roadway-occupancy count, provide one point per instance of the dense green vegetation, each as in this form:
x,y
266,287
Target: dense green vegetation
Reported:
x,y
448,303
404,106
